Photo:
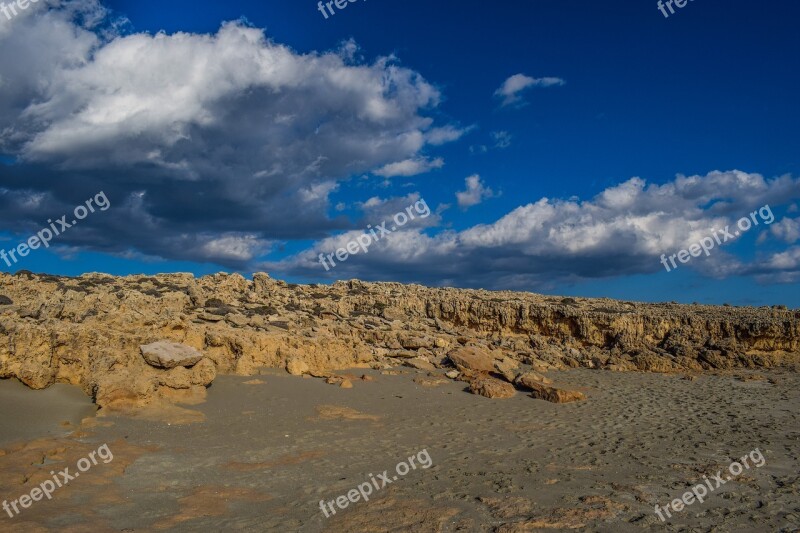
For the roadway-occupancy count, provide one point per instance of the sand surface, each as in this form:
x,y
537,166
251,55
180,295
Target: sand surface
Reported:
x,y
26,414
271,447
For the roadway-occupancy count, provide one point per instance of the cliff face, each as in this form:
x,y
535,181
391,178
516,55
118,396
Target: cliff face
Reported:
x,y
87,331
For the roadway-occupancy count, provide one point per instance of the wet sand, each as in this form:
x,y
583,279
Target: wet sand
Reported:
x,y
271,447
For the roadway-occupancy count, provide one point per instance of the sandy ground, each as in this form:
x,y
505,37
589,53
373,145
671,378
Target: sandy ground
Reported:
x,y
26,414
271,447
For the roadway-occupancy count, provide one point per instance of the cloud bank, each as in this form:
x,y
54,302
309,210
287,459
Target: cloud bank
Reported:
x,y
621,231
231,133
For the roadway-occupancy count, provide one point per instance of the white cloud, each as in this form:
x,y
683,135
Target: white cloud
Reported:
x,y
235,247
511,89
410,167
475,193
622,230
222,133
787,230
446,134
376,210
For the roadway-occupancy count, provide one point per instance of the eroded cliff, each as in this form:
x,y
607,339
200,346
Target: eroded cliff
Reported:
x,y
88,330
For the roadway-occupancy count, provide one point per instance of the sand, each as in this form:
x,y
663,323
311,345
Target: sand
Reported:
x,y
269,449
26,414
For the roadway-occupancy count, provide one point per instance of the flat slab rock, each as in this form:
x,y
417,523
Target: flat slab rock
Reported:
x,y
491,387
165,354
472,358
555,395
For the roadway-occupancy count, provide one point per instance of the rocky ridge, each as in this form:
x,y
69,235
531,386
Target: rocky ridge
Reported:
x,y
89,331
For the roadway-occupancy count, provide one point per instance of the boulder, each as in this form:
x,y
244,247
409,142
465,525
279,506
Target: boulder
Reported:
x,y
419,364
471,358
414,343
554,395
296,366
508,368
203,373
491,387
529,379
402,354
166,354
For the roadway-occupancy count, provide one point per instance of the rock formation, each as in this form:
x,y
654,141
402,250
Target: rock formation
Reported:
x,y
88,331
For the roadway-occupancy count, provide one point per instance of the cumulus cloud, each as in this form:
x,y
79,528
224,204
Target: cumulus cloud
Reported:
x,y
236,247
376,209
446,134
622,230
475,193
511,90
787,230
209,145
410,167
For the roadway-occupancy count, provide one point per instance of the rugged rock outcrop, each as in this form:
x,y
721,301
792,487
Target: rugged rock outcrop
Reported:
x,y
88,330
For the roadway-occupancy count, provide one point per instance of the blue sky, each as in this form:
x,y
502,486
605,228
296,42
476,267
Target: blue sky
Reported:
x,y
257,135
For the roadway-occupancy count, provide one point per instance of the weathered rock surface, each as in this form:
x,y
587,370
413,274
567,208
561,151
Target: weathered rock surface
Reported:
x,y
471,358
554,395
87,331
491,387
165,354
296,366
530,379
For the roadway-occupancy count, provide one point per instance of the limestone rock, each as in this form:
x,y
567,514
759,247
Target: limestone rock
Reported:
x,y
554,395
414,343
529,379
296,366
491,387
166,354
508,368
203,373
87,331
237,319
419,363
403,354
208,317
471,358
176,378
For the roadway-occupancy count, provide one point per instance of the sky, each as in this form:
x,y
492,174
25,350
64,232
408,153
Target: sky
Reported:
x,y
555,146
